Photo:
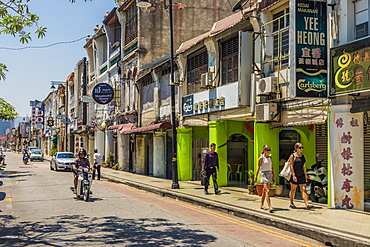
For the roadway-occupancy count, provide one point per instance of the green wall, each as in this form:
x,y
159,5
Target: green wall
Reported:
x,y
184,153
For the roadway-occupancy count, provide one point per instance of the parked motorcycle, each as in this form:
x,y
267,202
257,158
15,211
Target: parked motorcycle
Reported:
x,y
317,182
2,160
25,159
84,183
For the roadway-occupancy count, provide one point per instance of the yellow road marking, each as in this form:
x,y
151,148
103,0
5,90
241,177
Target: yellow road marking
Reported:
x,y
8,199
226,218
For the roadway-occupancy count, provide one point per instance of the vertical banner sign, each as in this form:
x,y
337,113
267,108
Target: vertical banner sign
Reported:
x,y
310,44
347,160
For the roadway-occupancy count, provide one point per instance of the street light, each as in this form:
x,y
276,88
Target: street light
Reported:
x,y
53,83
175,180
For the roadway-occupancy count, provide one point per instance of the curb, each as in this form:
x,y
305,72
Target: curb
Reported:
x,y
330,237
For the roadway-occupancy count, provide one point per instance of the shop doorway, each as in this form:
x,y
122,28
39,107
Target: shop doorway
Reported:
x,y
237,160
199,147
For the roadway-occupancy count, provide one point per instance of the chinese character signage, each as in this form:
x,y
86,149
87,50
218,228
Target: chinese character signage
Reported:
x,y
216,99
347,162
310,54
350,67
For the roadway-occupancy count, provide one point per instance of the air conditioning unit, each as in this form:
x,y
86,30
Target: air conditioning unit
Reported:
x,y
267,85
206,80
266,112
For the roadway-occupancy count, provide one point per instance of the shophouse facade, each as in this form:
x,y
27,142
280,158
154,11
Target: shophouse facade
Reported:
x,y
349,93
142,117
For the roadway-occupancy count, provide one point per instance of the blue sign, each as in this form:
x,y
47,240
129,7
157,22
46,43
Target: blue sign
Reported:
x,y
103,93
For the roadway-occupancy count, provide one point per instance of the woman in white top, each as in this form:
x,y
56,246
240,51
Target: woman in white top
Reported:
x,y
267,175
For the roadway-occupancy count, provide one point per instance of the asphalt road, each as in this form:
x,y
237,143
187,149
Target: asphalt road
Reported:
x,y
38,209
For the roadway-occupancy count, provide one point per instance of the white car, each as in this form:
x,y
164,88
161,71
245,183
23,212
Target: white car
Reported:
x,y
62,161
36,154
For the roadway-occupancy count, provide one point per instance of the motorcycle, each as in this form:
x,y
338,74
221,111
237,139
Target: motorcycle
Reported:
x,y
84,182
2,160
317,182
25,159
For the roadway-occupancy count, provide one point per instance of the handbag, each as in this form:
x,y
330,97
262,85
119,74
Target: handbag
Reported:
x,y
286,173
203,180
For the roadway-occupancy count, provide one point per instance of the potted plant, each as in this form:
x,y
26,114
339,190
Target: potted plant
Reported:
x,y
279,189
115,167
272,189
251,181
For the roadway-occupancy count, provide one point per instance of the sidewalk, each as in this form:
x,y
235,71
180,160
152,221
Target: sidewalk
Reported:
x,y
339,227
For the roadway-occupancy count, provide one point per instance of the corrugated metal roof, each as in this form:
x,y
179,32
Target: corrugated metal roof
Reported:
x,y
217,28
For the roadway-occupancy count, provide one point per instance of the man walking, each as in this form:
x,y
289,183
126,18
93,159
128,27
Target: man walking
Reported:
x,y
211,167
97,163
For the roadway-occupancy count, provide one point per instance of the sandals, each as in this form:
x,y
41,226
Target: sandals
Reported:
x,y
271,210
309,207
292,206
263,208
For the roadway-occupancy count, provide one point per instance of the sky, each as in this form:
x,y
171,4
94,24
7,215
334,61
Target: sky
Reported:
x,y
31,70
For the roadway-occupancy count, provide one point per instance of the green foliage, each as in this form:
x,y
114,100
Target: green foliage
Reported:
x,y
3,69
7,111
251,177
53,150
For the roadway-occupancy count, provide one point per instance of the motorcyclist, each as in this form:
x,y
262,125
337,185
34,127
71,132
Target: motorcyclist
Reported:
x,y
81,161
25,154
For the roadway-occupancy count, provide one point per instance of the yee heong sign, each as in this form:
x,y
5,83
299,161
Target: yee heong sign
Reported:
x,y
310,40
350,67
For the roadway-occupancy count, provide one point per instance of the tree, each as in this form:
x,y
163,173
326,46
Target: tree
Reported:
x,y
7,111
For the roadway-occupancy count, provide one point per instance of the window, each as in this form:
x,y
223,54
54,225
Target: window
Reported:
x,y
131,24
361,18
230,52
281,39
197,65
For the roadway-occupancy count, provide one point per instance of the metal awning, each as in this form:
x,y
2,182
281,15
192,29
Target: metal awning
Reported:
x,y
165,125
114,127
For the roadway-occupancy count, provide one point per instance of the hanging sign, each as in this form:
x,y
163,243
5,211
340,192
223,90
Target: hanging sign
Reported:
x,y
103,93
309,58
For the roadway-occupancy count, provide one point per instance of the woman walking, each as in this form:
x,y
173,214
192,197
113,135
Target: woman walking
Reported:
x,y
267,176
297,163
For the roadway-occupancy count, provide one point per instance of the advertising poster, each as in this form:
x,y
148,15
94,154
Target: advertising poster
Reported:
x,y
310,59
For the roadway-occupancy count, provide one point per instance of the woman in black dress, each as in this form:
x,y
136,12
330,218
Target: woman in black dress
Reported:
x,y
298,168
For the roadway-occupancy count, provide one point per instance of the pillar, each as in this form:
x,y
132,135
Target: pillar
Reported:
x,y
184,153
159,155
139,165
263,135
123,152
218,135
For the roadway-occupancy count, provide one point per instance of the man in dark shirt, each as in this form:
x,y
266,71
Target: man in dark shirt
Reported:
x,y
210,167
80,162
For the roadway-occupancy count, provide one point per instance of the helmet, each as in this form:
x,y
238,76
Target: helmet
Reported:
x,y
82,151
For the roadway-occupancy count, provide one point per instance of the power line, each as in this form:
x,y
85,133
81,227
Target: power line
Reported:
x,y
42,46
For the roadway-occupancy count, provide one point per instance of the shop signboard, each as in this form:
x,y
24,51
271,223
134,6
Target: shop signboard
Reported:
x,y
350,68
309,54
347,159
103,93
216,99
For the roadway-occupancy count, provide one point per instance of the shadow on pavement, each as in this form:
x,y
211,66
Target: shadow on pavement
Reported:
x,y
111,230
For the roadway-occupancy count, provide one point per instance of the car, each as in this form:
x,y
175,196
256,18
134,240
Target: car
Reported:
x,y
62,161
36,154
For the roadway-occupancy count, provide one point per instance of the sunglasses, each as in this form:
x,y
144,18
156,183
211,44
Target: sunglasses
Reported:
x,y
300,147
268,150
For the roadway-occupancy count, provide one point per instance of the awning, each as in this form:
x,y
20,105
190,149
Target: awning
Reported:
x,y
114,127
126,127
53,139
165,125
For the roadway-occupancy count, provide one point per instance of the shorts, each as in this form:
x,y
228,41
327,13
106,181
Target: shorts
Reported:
x,y
266,177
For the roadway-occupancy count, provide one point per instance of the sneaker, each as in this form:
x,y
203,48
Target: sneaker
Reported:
x,y
217,192
74,191
206,192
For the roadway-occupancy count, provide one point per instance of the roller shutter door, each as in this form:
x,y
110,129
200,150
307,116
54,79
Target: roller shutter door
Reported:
x,y
322,143
367,156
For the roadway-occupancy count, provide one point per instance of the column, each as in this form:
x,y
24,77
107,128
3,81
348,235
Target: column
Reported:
x,y
139,165
159,155
218,135
184,153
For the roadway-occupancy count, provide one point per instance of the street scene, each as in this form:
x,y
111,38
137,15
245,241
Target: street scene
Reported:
x,y
40,210
187,123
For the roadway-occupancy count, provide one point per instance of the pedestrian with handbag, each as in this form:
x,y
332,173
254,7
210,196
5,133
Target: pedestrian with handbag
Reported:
x,y
297,162
267,176
211,167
